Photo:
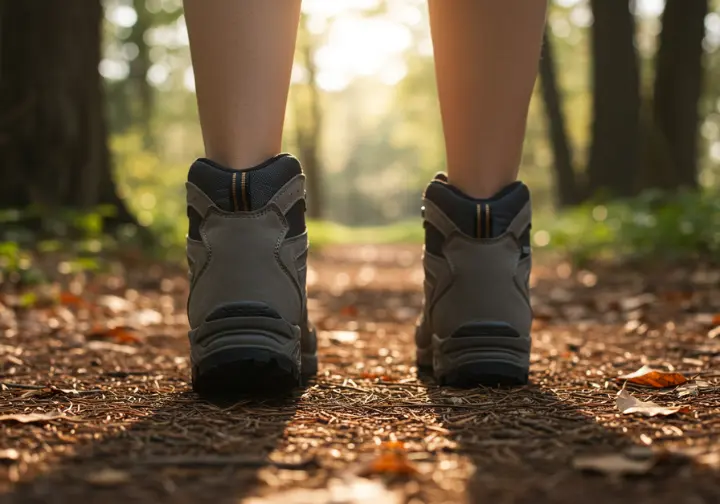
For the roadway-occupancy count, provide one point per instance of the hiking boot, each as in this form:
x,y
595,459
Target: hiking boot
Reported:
x,y
475,326
247,251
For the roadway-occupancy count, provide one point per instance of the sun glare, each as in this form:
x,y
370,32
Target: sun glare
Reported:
x,y
362,47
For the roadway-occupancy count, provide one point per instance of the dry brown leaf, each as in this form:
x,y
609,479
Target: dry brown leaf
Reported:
x,y
636,302
31,417
103,346
392,459
708,319
108,477
145,317
687,389
9,455
114,304
614,464
654,378
343,336
346,490
629,404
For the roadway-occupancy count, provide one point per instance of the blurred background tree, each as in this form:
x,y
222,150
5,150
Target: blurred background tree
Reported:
x,y
627,102
53,134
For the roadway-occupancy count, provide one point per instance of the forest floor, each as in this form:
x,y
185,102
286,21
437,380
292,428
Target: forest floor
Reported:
x,y
96,406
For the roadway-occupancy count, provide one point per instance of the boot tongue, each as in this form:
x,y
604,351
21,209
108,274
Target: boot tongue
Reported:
x,y
480,218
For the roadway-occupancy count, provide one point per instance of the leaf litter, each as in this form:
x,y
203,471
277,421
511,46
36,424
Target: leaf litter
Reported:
x,y
654,378
134,431
629,404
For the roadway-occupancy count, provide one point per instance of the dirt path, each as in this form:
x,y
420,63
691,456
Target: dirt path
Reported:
x,y
121,425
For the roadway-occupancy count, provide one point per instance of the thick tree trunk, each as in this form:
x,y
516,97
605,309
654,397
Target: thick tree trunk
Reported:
x,y
678,76
565,180
53,150
614,152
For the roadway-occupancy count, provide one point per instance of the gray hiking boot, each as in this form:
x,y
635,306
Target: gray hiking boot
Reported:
x,y
247,251
475,327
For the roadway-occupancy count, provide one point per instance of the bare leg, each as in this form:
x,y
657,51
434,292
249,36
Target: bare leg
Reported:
x,y
486,56
242,54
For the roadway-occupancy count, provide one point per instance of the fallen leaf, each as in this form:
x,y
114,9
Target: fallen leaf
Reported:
x,y
108,477
112,347
349,311
117,334
343,336
714,333
338,491
145,317
636,302
393,445
709,459
375,376
654,378
9,455
392,459
677,296
688,389
628,404
70,299
615,464
31,417
115,304
707,319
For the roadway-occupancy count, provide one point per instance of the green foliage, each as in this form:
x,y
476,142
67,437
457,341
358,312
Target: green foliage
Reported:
x,y
30,235
651,226
324,233
154,189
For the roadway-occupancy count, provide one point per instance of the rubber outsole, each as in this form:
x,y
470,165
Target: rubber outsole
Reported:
x,y
245,371
250,356
477,360
487,373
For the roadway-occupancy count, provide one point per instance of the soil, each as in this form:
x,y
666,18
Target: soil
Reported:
x,y
99,365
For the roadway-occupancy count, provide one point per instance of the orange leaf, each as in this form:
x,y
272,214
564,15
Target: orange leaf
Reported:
x,y
716,319
391,460
654,378
117,334
349,311
366,375
393,445
70,299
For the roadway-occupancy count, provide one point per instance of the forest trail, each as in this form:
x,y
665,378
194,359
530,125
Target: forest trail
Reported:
x,y
111,417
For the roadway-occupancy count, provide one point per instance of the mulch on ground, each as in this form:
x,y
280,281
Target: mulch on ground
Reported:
x,y
96,405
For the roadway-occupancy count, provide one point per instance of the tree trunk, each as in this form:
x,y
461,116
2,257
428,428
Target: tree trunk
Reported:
x,y
139,67
53,150
565,183
678,76
308,118
614,153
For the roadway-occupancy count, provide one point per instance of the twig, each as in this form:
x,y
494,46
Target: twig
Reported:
x,y
21,386
226,461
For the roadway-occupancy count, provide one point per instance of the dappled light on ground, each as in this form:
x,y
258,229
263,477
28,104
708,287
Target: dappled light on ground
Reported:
x,y
96,406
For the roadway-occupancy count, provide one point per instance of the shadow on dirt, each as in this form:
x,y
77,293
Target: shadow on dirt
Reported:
x,y
185,450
